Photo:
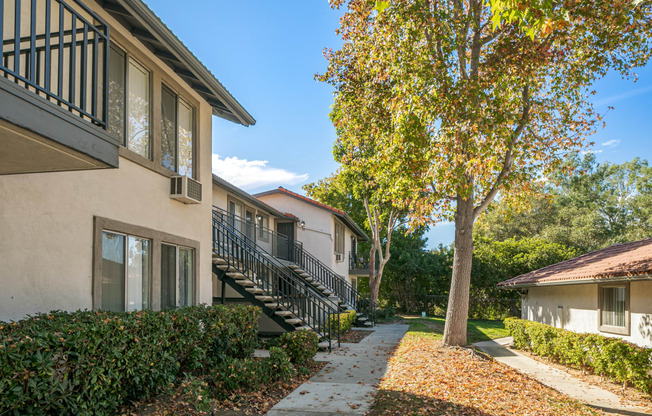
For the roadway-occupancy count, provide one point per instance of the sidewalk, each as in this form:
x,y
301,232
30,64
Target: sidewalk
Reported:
x,y
346,384
558,380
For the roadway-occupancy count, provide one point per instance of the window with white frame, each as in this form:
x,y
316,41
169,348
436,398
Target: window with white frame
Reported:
x,y
177,276
263,226
126,272
177,141
614,308
339,241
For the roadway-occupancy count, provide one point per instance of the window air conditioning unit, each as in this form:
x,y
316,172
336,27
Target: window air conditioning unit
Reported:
x,y
185,189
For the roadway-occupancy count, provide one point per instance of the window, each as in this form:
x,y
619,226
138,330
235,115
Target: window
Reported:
x,y
614,308
177,276
263,226
129,102
235,215
125,272
339,241
177,151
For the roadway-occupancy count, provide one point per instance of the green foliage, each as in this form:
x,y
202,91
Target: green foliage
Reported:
x,y
611,357
196,392
599,205
94,361
278,366
346,321
301,346
385,314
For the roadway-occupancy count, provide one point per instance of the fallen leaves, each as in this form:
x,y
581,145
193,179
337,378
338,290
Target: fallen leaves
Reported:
x,y
424,378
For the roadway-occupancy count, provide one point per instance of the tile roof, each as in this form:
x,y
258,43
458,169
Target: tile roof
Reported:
x,y
617,261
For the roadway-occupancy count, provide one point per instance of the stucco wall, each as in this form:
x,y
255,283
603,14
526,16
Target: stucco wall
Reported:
x,y
319,232
46,220
579,310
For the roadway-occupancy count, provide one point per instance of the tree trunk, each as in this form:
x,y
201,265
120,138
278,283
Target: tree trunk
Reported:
x,y
374,285
458,299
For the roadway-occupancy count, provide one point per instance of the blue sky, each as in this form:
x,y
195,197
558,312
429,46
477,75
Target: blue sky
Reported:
x,y
267,53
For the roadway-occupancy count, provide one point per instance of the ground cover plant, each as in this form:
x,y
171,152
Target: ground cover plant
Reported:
x,y
92,362
426,378
613,358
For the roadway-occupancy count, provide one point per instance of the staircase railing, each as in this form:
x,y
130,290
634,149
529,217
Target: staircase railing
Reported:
x,y
292,293
333,281
266,238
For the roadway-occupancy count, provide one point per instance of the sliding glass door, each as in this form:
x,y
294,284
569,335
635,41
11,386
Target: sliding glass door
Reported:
x,y
177,276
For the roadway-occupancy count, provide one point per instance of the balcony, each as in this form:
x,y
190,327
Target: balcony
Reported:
x,y
53,88
358,266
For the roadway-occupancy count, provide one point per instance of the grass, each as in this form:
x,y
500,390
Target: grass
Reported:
x,y
477,329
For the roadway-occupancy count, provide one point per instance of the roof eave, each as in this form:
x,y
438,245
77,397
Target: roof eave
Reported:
x,y
244,195
145,16
606,279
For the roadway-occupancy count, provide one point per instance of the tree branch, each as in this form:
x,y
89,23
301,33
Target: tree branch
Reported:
x,y
509,156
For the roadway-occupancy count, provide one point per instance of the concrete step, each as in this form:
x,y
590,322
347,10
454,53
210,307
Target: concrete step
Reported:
x,y
293,266
236,275
293,321
308,279
323,345
368,324
264,298
247,283
224,267
218,260
327,292
304,274
255,290
307,328
362,319
272,305
284,313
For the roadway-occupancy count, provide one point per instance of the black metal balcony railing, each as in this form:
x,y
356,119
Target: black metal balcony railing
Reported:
x,y
358,264
271,241
260,268
59,52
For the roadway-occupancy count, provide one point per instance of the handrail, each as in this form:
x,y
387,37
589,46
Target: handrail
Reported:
x,y
260,268
333,281
64,60
277,244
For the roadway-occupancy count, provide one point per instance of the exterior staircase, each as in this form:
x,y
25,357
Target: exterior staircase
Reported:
x,y
259,277
331,284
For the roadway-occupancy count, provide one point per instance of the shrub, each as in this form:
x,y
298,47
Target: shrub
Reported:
x,y
614,358
385,314
346,321
278,366
91,362
300,346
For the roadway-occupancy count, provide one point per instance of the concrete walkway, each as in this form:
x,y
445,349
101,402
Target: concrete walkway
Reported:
x,y
559,380
346,384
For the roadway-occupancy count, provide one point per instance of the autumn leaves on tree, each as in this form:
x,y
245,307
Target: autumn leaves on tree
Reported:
x,y
441,105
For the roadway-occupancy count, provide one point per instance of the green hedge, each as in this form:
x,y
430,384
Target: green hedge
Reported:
x,y
301,346
91,362
614,358
347,319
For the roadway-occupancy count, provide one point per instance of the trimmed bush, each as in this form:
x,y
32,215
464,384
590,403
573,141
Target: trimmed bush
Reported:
x,y
278,366
91,362
385,314
300,346
347,319
613,358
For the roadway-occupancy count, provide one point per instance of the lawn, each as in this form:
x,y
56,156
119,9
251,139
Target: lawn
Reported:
x,y
426,378
477,329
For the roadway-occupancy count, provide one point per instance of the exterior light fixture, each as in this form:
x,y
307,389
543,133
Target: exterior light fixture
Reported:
x,y
302,224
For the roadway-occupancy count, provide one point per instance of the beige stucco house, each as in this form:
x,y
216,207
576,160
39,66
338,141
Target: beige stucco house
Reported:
x,y
608,292
327,232
105,170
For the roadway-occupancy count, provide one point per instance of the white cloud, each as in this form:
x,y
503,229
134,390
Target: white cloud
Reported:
x,y
593,151
611,143
253,174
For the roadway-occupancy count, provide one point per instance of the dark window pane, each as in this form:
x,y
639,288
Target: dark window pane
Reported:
x,y
116,123
168,276
113,272
169,130
186,276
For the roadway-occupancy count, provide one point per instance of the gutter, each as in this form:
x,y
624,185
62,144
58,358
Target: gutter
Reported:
x,y
578,282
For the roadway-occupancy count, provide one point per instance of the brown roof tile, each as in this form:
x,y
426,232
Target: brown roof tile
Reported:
x,y
620,260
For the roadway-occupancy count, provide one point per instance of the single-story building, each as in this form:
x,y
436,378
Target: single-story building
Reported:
x,y
608,292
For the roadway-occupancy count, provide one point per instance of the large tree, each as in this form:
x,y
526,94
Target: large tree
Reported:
x,y
492,107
